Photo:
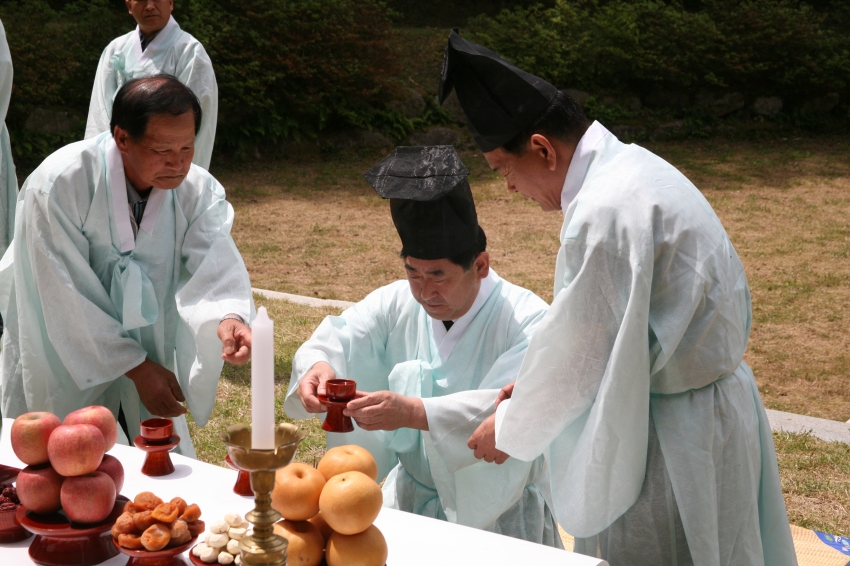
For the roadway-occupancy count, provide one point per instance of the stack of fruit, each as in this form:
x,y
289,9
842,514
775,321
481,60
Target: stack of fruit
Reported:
x,y
149,523
67,468
329,511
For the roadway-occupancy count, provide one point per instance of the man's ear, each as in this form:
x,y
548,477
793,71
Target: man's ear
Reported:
x,y
482,265
121,138
541,146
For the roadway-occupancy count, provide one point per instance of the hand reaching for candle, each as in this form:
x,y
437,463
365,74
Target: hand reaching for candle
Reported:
x,y
385,410
158,389
313,384
483,440
235,341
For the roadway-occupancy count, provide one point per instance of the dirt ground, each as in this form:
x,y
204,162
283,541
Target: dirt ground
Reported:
x,y
315,227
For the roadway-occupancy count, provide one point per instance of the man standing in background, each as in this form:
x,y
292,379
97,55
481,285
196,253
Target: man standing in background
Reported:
x,y
157,45
8,180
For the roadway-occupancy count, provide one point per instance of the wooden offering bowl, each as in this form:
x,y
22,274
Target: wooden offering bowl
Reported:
x,y
8,474
157,462
243,479
58,542
164,557
10,529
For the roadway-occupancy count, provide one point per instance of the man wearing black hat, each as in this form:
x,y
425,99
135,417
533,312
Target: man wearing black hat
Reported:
x,y
431,354
634,385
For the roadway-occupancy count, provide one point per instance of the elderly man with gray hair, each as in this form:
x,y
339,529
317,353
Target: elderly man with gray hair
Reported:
x,y
123,286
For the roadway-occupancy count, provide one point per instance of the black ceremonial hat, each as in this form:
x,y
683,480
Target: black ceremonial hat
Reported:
x,y
498,99
430,200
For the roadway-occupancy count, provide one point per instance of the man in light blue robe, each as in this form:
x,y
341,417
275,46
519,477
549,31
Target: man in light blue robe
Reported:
x,y
634,386
157,45
8,180
429,355
123,273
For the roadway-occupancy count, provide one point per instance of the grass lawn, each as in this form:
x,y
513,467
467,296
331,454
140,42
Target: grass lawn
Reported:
x,y
314,227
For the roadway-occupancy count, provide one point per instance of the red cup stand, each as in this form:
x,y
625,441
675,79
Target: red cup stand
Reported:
x,y
243,479
58,542
157,439
339,393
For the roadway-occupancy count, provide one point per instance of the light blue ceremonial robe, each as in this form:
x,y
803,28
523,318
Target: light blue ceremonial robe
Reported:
x,y
388,342
84,302
634,385
172,51
8,180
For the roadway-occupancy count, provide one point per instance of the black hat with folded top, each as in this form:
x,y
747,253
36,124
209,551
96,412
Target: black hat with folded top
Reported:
x,y
499,99
430,200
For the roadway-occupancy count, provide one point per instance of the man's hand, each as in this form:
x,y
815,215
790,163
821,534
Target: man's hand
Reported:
x,y
235,341
158,389
385,410
505,393
483,440
313,384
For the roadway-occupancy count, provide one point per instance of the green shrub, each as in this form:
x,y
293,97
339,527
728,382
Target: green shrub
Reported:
x,y
290,68
759,47
54,54
285,68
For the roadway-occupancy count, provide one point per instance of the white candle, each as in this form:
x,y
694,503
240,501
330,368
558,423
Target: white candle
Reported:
x,y
262,382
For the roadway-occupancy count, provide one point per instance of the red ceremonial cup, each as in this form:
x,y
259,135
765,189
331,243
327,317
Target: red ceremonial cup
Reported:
x,y
339,393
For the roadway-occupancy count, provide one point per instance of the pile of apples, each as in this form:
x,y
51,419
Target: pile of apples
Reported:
x,y
329,510
67,468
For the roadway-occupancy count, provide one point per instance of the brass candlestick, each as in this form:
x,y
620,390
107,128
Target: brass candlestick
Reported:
x,y
263,547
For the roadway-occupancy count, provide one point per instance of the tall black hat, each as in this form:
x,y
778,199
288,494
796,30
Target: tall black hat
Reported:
x,y
430,200
499,99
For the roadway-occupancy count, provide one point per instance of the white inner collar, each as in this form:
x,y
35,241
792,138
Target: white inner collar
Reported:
x,y
580,162
120,203
142,56
447,339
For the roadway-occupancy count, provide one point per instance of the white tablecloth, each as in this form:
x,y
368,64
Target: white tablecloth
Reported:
x,y
412,540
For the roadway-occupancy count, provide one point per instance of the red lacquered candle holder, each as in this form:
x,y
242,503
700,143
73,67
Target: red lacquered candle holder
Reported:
x,y
339,393
157,439
58,542
243,479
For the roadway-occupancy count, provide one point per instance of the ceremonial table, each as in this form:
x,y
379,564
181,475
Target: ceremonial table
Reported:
x,y
412,540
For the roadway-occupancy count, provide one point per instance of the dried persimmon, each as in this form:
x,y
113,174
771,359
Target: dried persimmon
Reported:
x,y
146,500
165,513
196,528
181,504
180,533
143,520
131,541
192,513
156,537
124,525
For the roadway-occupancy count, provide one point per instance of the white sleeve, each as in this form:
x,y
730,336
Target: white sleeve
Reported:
x,y
216,284
100,106
199,76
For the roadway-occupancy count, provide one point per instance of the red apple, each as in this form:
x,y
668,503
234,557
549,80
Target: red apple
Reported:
x,y
39,487
29,436
75,450
113,468
89,498
99,416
